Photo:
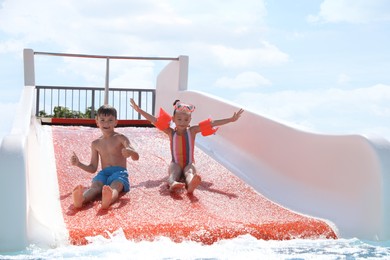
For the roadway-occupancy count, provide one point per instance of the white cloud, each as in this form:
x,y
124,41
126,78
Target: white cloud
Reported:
x,y
243,80
139,28
11,46
335,111
352,11
129,26
202,30
39,21
136,76
265,55
343,79
91,72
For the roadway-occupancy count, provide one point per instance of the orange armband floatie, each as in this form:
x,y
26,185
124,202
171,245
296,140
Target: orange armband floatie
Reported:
x,y
206,127
163,120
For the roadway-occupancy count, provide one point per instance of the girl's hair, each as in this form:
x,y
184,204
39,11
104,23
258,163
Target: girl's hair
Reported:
x,y
107,110
174,104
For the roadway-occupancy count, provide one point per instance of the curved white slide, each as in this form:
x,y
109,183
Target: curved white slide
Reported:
x,y
343,179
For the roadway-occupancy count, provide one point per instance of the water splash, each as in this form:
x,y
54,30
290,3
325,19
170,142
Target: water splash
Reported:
x,y
243,247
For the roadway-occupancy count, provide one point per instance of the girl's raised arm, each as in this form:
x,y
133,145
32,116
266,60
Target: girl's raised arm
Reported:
x,y
234,118
152,119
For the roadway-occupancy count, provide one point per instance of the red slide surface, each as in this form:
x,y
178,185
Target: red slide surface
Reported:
x,y
222,207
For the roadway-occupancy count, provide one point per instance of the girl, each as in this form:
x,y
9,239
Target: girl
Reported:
x,y
182,141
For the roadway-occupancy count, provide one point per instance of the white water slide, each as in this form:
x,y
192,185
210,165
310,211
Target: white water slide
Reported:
x,y
341,179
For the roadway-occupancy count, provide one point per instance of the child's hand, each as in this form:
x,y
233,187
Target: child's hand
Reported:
x,y
237,115
134,105
74,159
126,152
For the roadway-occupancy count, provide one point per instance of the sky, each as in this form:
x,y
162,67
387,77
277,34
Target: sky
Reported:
x,y
318,65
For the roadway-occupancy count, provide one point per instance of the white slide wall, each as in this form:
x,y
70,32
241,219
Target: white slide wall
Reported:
x,y
13,167
30,210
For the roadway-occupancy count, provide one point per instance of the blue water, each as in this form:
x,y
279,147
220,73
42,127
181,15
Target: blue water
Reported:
x,y
244,247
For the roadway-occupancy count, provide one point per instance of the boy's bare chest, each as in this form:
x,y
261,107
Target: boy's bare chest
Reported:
x,y
110,145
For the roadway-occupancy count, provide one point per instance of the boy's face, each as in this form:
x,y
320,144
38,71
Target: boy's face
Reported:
x,y
182,119
106,122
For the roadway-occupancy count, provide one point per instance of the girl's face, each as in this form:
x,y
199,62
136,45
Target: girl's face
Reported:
x,y
182,119
106,123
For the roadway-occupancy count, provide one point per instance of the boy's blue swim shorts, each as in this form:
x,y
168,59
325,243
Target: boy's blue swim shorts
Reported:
x,y
113,173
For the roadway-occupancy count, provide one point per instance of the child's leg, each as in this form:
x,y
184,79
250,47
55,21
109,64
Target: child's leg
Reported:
x,y
80,196
192,179
175,174
110,194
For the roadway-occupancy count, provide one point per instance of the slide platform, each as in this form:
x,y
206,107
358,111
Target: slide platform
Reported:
x,y
222,207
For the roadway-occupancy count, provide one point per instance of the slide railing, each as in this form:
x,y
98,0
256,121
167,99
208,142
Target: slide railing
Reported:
x,y
83,102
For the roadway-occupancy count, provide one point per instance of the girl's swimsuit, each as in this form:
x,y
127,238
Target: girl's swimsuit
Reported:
x,y
182,149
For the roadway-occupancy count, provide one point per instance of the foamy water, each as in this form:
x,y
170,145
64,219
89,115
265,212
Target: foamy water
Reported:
x,y
244,247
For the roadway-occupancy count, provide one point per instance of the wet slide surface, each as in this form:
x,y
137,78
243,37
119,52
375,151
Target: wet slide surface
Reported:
x,y
222,207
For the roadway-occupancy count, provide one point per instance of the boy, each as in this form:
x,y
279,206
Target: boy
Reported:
x,y
182,141
113,148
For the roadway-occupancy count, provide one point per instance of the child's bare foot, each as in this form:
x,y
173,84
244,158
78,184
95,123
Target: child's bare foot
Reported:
x,y
106,196
193,183
78,198
175,186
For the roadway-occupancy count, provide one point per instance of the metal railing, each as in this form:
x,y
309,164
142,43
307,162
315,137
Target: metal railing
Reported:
x,y
75,101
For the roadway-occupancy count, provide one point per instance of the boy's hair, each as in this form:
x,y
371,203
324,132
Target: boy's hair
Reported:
x,y
107,110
